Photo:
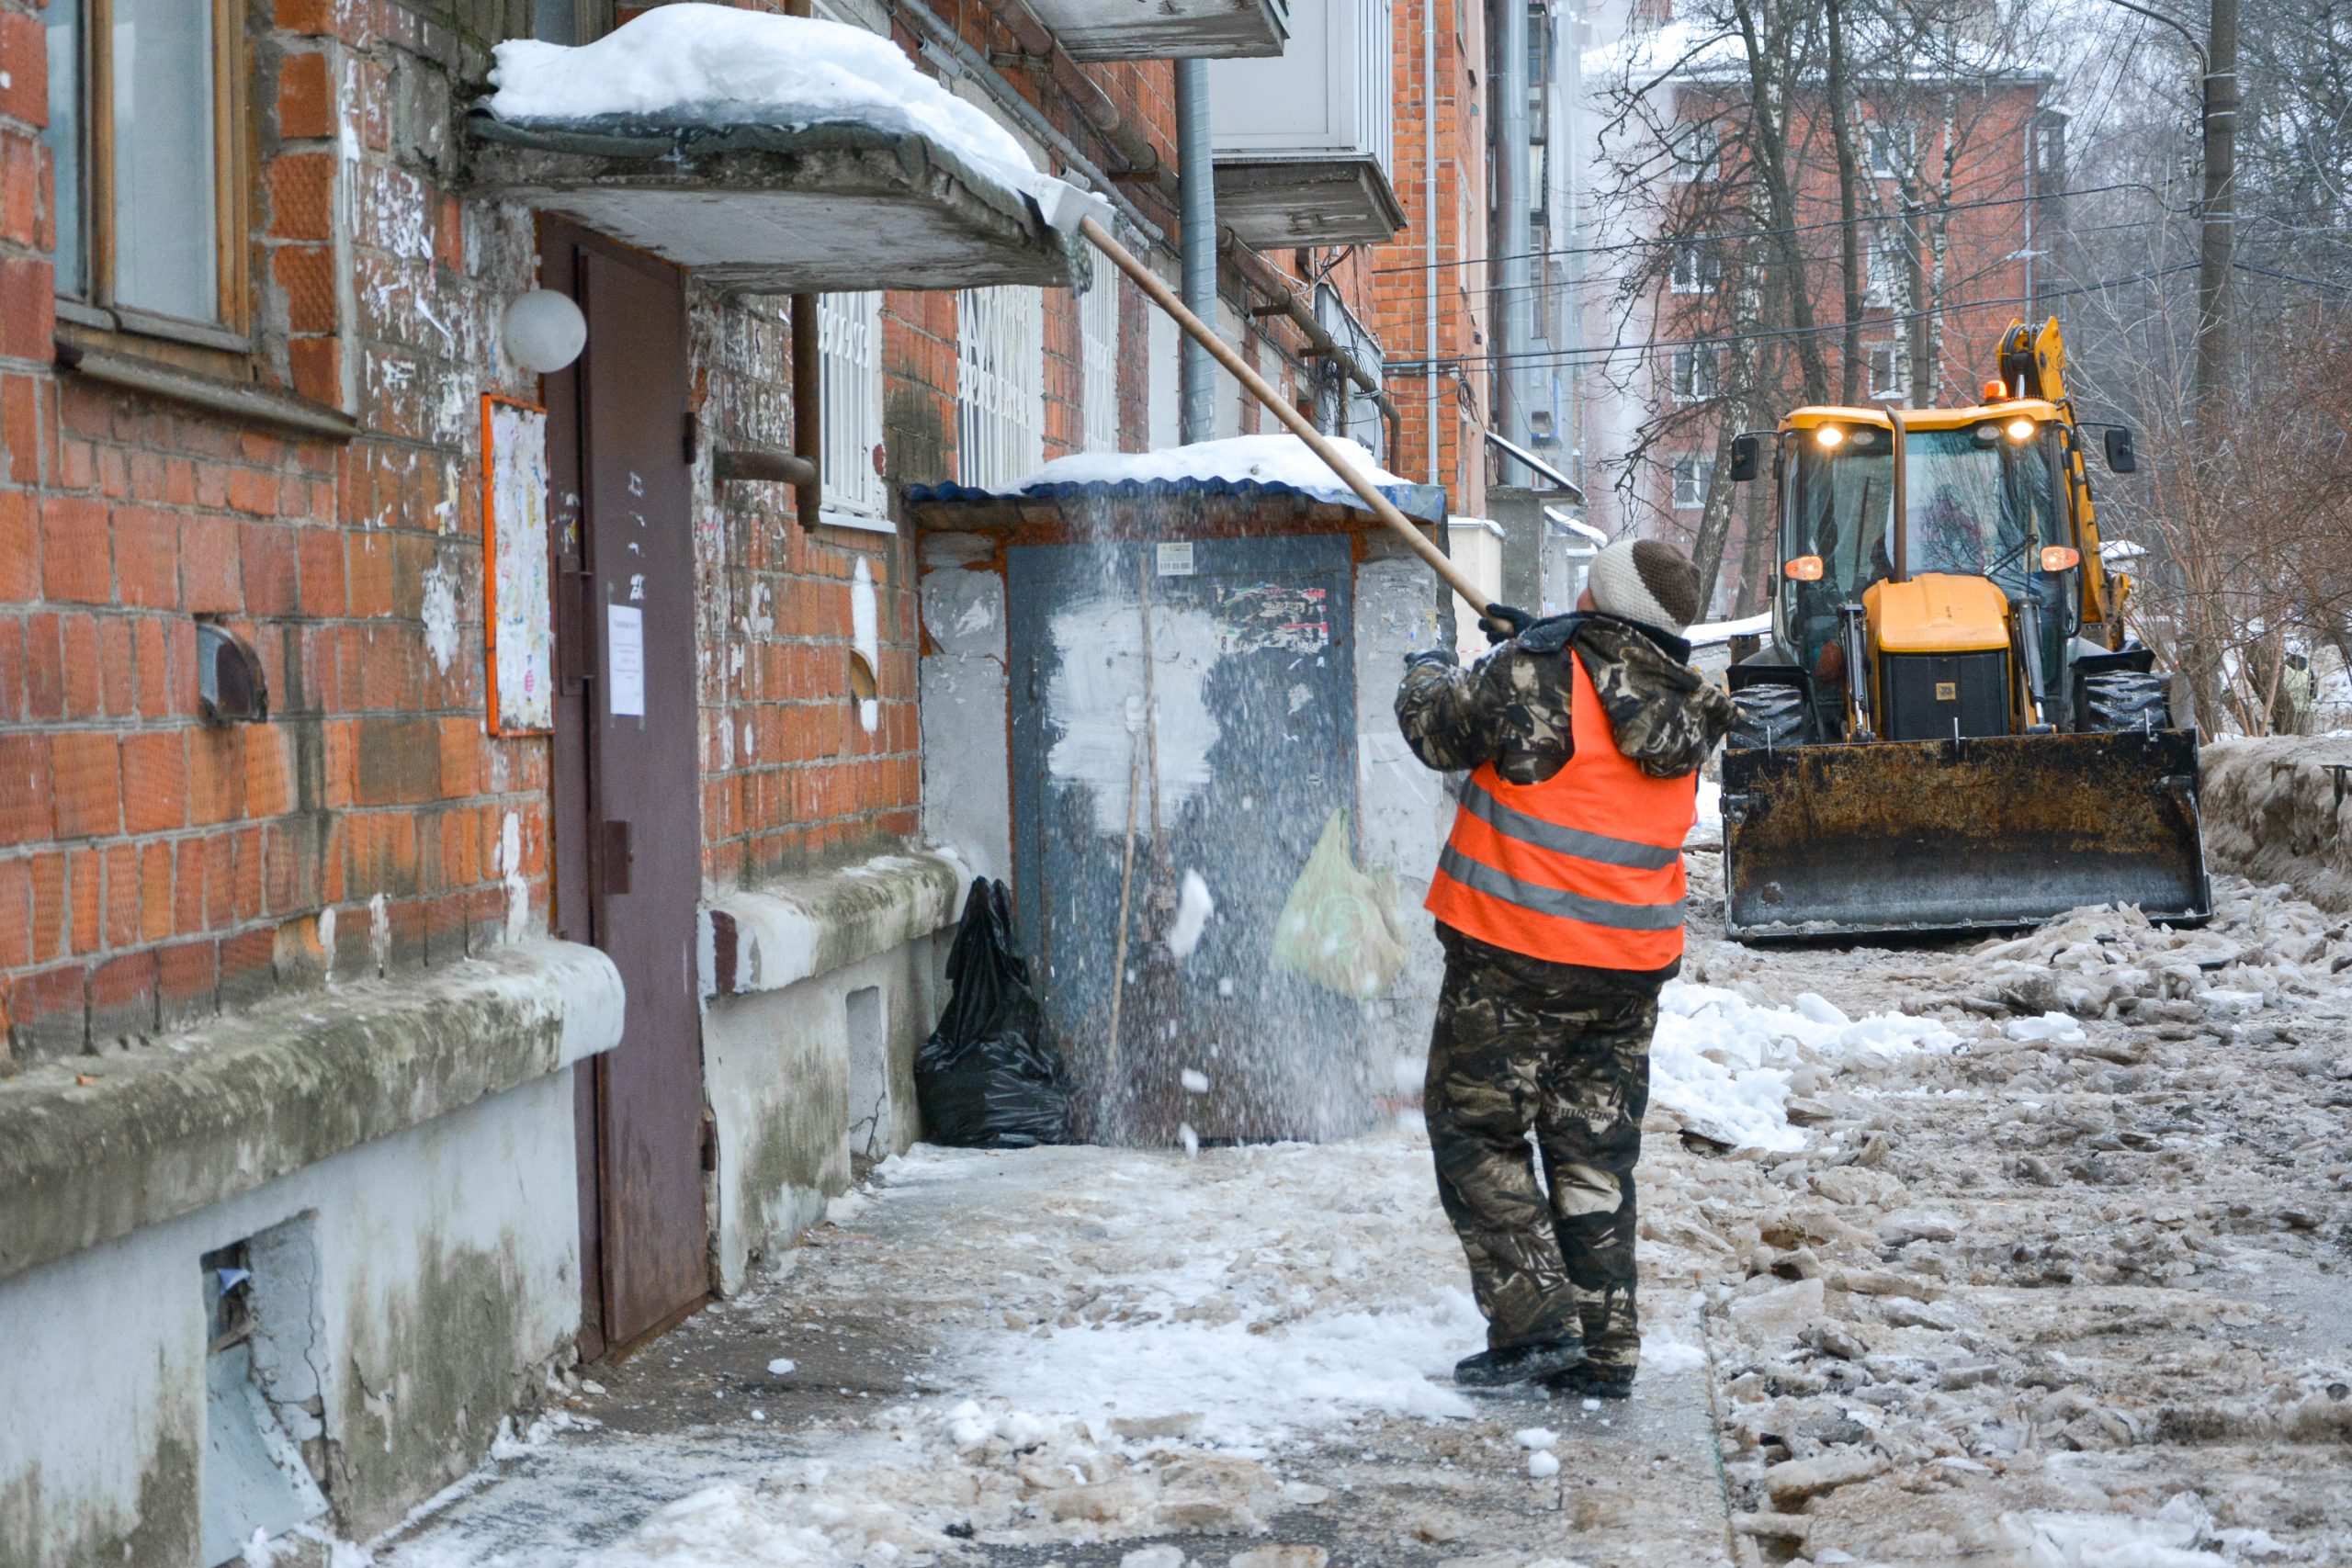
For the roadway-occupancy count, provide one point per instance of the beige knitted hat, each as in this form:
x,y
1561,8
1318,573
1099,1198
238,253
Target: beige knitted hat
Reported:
x,y
1645,580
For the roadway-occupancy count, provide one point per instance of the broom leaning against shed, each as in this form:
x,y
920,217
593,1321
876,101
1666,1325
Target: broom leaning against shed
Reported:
x,y
1559,900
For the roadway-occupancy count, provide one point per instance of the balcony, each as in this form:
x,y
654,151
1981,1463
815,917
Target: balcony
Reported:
x,y
1303,141
1166,29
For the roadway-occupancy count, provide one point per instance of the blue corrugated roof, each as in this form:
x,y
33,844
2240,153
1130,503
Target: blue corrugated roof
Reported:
x,y
1423,503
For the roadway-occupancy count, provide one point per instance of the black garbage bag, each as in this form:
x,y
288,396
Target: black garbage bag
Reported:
x,y
986,1077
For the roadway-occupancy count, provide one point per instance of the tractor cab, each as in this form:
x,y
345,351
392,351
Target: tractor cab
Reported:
x,y
1968,607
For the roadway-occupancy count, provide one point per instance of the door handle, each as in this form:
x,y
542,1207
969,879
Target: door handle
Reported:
x,y
614,857
570,627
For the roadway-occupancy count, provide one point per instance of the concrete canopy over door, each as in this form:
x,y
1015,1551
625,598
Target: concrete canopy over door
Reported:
x,y
629,829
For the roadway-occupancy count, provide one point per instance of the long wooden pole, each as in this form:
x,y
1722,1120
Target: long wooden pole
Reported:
x,y
1199,332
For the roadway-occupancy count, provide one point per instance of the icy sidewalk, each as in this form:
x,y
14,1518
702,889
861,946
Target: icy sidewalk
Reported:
x,y
1076,1355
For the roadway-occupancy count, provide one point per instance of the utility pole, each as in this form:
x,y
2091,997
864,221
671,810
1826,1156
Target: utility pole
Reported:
x,y
2220,213
2217,59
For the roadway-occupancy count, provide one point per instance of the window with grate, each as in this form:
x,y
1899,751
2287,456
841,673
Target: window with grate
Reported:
x,y
849,409
1692,476
1097,329
1000,385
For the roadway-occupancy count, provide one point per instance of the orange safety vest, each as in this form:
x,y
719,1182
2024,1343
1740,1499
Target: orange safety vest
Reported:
x,y
1583,868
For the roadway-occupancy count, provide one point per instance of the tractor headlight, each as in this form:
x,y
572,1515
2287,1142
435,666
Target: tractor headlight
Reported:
x,y
2020,430
1828,438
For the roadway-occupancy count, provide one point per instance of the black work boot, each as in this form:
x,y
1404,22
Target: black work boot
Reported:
x,y
1592,1380
1521,1363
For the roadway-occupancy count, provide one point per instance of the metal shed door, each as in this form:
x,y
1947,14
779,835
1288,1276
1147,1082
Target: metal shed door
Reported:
x,y
1254,699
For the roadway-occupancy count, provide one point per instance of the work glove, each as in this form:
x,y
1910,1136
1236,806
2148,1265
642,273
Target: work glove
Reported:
x,y
1443,656
1502,623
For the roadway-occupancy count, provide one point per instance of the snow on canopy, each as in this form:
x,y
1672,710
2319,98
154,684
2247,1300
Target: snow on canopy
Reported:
x,y
1270,460
715,65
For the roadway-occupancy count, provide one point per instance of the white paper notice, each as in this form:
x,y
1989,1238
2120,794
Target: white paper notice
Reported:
x,y
1176,560
625,660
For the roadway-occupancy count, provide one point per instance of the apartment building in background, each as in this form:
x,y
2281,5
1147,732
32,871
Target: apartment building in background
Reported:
x,y
1963,193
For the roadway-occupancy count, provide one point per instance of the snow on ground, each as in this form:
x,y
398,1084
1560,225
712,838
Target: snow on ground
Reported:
x,y
716,65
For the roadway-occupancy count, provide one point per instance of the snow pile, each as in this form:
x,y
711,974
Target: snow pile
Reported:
x,y
1720,1065
716,65
1241,459
2112,962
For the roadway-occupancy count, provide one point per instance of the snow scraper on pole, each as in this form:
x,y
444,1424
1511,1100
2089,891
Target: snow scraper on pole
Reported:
x,y
1948,729
1143,277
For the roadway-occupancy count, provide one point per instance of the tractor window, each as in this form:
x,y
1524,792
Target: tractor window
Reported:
x,y
1979,504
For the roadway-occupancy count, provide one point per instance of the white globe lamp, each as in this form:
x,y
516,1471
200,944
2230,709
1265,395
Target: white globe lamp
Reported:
x,y
543,331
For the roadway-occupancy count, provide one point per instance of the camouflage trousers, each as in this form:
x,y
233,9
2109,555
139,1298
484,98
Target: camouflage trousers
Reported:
x,y
1566,1056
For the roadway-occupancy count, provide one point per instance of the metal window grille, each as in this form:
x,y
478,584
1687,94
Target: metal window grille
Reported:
x,y
1000,385
849,359
1098,328
1692,478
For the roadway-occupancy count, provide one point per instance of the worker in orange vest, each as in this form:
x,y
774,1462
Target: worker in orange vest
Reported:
x,y
1559,899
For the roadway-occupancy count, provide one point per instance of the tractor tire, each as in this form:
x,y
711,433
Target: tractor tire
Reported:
x,y
2126,699
1766,716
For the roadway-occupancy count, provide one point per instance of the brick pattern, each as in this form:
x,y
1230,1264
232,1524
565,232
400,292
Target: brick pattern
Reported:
x,y
153,870
1398,273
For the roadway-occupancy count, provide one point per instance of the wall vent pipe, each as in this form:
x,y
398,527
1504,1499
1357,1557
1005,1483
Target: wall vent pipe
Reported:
x,y
1197,173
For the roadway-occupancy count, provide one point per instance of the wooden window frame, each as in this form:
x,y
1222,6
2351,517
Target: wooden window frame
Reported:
x,y
232,162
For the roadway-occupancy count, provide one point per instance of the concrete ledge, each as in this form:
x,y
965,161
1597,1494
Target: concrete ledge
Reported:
x,y
794,927
94,1147
2272,814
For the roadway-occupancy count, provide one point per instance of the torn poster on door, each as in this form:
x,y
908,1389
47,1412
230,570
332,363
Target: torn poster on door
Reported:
x,y
625,660
518,621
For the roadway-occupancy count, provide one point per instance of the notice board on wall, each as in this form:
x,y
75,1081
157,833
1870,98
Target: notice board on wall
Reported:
x,y
518,601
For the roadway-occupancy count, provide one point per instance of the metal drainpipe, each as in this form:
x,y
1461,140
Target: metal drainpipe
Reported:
x,y
1197,377
1429,231
1518,333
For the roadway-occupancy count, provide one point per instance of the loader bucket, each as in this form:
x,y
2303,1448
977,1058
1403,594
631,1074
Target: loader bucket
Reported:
x,y
1938,835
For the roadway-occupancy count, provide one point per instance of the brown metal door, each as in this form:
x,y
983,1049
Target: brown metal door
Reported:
x,y
632,836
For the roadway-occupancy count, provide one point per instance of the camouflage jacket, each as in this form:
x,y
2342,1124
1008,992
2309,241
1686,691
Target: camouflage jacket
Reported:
x,y
1512,708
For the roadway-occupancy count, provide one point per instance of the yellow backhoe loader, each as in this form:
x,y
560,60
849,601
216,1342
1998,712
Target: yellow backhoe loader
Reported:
x,y
1949,729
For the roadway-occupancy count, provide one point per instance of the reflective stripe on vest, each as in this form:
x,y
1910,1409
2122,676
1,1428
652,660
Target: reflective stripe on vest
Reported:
x,y
1583,868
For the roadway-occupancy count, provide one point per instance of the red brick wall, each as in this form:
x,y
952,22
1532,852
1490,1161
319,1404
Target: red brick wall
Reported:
x,y
153,870
1400,271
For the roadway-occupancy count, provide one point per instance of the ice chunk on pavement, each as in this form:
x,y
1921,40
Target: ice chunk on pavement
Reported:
x,y
782,1368
1163,1556
1543,1465
1821,1009
1662,1353
2057,1026
1193,908
1535,1438
1195,1081
1719,1064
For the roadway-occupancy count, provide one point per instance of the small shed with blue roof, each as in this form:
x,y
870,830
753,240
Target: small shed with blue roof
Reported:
x,y
1101,783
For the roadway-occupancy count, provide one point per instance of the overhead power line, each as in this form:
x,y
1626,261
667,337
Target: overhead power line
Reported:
x,y
1412,369
1767,234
